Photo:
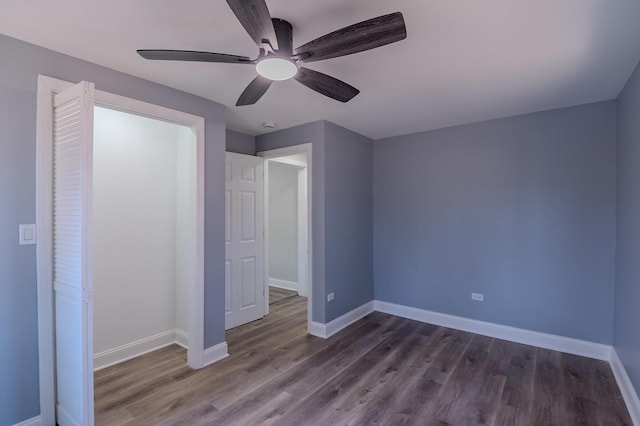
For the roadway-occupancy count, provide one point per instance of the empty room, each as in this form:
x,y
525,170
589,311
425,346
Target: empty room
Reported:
x,y
357,212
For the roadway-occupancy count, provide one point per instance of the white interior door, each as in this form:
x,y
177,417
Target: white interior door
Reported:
x,y
244,240
72,180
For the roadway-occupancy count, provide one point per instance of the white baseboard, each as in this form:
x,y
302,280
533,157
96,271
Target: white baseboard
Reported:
x,y
215,353
182,338
626,387
329,329
317,329
140,347
35,421
287,285
512,334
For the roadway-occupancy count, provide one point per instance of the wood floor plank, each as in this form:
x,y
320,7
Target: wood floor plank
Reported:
x,y
372,370
138,385
184,416
518,389
370,398
485,401
419,399
581,411
517,395
277,294
549,400
457,343
114,417
578,373
231,382
121,374
456,400
381,370
314,371
511,416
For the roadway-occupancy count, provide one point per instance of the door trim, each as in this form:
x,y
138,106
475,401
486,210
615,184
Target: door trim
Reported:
x,y
305,148
301,255
47,87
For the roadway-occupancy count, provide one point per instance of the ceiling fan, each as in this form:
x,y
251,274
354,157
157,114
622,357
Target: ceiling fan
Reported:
x,y
278,60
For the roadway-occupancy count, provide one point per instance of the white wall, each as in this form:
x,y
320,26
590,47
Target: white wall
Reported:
x,y
283,222
137,255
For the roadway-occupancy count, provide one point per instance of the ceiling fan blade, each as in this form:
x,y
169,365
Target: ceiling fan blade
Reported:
x,y
254,91
355,38
326,85
189,55
256,20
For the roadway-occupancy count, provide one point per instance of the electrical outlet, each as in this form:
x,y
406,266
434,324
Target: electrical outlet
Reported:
x,y
477,296
331,296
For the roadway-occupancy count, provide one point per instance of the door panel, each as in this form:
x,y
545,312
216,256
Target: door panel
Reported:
x,y
227,286
248,283
248,173
72,181
228,217
244,264
248,211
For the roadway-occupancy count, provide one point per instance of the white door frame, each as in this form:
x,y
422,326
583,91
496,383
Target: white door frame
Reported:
x,y
301,182
283,152
303,233
47,87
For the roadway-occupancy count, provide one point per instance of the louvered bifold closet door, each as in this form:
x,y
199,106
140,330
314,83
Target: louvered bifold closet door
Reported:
x,y
72,181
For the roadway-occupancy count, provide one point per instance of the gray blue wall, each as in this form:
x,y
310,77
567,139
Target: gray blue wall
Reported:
x,y
240,143
627,311
342,213
521,209
19,393
348,219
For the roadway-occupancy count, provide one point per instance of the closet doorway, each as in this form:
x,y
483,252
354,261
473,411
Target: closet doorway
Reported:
x,y
142,244
150,219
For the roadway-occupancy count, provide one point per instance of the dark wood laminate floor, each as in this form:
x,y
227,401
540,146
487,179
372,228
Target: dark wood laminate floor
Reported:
x,y
277,294
381,370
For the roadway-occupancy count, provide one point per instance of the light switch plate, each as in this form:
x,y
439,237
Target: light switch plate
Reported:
x,y
27,234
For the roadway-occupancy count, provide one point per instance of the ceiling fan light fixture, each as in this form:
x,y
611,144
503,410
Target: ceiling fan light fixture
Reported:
x,y
278,60
275,68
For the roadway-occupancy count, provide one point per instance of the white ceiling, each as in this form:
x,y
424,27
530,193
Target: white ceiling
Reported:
x,y
463,60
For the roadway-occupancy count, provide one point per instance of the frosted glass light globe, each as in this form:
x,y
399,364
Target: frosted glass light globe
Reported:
x,y
276,68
